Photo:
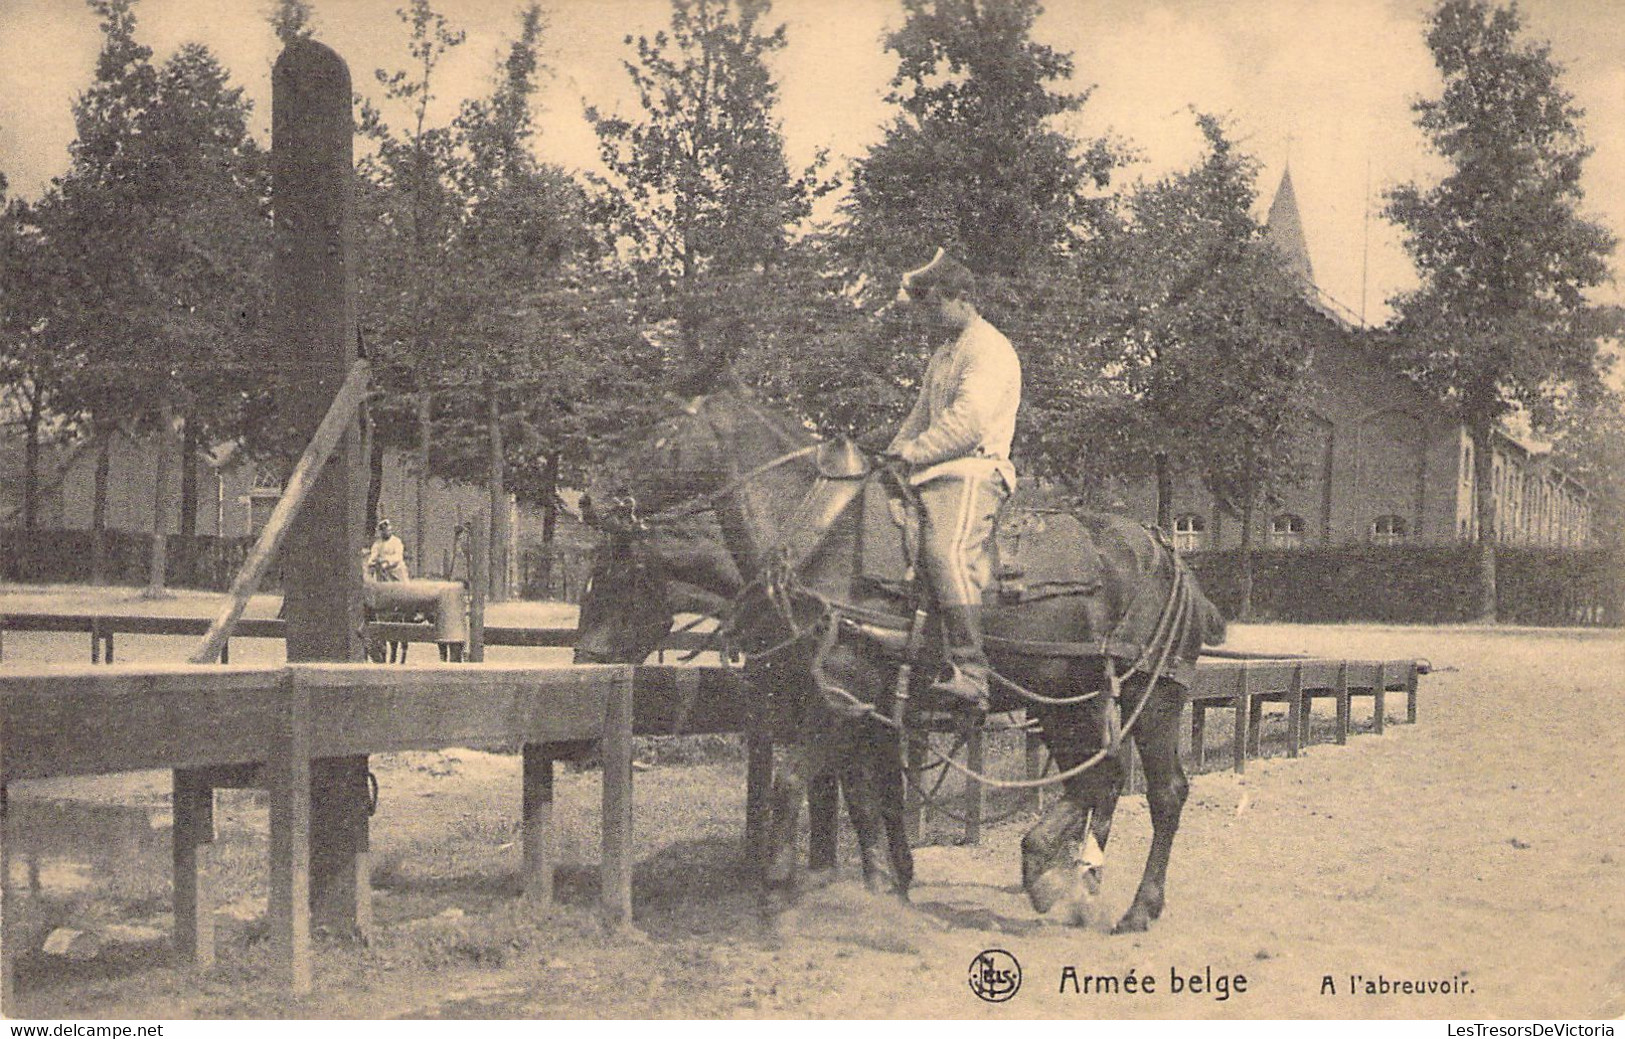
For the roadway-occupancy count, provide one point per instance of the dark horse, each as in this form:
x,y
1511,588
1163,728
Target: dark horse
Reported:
x,y
1096,662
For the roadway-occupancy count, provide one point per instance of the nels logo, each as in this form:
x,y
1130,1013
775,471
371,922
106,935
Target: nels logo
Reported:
x,y
994,975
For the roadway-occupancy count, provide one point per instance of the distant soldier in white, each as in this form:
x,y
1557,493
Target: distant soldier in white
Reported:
x,y
956,442
386,561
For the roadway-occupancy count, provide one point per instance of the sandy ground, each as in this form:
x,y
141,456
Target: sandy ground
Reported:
x,y
1480,850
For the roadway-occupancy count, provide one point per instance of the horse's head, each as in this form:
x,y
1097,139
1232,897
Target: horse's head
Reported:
x,y
676,461
626,610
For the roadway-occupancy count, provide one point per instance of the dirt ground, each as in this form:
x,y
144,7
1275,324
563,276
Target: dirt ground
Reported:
x,y
1478,853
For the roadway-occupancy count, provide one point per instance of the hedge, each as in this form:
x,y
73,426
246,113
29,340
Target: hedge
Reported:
x,y
1417,584
65,557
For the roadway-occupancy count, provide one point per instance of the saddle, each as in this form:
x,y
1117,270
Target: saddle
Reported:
x,y
1035,552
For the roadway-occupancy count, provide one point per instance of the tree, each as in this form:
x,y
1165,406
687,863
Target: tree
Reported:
x,y
698,189
407,210
1501,320
37,364
291,20
522,222
973,160
156,224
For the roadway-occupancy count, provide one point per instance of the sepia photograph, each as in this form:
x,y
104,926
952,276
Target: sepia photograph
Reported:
x,y
800,510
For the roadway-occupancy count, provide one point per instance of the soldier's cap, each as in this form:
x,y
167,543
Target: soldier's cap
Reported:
x,y
944,275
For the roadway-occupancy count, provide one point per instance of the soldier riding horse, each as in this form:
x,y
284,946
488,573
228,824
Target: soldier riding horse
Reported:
x,y
1093,626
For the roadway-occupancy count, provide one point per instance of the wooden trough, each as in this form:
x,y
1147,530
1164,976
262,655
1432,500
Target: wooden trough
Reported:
x,y
270,727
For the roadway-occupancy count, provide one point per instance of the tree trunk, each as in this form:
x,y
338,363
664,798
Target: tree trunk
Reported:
x,y
375,490
31,474
550,515
157,560
1484,505
186,564
98,507
1246,607
425,435
499,497
1165,493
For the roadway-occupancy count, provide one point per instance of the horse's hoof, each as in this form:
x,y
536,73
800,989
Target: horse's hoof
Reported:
x,y
1135,921
1067,889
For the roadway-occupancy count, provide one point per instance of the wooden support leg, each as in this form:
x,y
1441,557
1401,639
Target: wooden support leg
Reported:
x,y
1199,735
10,933
1244,712
536,813
975,793
1379,699
1410,695
191,837
914,764
340,871
1255,728
823,821
1295,714
1343,703
758,785
287,770
1033,751
615,749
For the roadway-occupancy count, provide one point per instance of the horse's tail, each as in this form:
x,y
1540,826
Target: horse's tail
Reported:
x,y
1209,625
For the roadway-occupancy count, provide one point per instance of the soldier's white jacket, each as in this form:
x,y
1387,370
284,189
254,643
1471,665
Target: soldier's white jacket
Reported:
x,y
967,406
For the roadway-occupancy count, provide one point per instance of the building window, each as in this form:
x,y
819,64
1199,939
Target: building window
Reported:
x,y
1190,532
1388,530
1286,531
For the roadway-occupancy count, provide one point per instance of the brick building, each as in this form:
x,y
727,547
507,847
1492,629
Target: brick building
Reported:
x,y
1379,462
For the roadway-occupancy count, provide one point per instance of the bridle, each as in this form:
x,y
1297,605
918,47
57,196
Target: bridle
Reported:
x,y
697,504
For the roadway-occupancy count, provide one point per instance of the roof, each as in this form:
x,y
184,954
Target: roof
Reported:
x,y
1283,229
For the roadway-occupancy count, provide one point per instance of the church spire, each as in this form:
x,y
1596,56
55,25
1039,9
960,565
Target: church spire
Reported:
x,y
1283,228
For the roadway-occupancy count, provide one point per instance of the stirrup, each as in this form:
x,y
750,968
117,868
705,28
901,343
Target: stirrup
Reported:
x,y
956,683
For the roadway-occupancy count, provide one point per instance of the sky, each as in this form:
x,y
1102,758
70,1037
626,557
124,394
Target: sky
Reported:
x,y
1323,85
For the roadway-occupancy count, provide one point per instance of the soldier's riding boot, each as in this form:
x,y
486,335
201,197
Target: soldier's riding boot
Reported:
x,y
965,672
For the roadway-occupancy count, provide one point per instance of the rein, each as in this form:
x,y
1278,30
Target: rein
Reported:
x,y
775,578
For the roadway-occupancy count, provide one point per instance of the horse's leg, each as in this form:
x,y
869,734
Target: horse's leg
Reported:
x,y
1166,786
1058,870
859,791
789,792
884,754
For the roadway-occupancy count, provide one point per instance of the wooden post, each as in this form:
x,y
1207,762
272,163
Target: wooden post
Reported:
x,y
1244,710
287,771
1379,698
537,820
1294,713
975,793
1198,734
1343,702
315,331
10,933
1410,694
615,750
914,765
1033,751
823,821
191,837
758,782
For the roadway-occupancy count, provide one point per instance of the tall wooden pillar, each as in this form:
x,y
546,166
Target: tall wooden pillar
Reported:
x,y
315,329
